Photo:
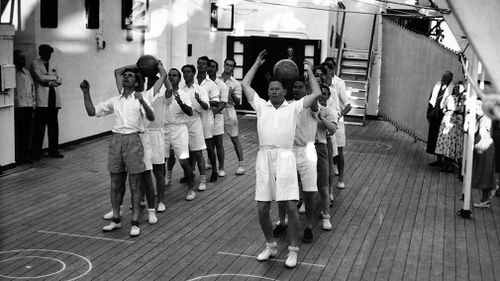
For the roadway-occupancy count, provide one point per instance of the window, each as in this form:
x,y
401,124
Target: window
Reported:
x,y
92,14
48,13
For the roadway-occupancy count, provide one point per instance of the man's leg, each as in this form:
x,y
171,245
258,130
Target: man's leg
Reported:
x,y
198,155
159,174
135,181
53,132
309,202
219,145
293,227
265,220
280,229
116,195
340,165
170,166
40,121
239,152
211,157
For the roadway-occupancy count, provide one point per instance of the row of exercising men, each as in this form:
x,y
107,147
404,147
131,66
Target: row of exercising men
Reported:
x,y
186,119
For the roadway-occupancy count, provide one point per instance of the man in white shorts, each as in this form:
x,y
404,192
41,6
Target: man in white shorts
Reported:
x,y
230,117
339,100
207,116
218,138
276,171
200,102
178,108
125,150
307,160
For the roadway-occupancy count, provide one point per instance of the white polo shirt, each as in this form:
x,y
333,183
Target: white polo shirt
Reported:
x,y
234,88
195,88
129,115
223,90
276,127
210,87
307,125
173,112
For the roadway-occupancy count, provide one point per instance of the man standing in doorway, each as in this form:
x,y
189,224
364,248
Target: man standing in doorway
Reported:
x,y
48,103
24,102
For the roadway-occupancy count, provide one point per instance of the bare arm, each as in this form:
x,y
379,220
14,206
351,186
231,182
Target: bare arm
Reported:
x,y
309,100
149,111
118,76
331,126
188,110
163,75
89,106
247,80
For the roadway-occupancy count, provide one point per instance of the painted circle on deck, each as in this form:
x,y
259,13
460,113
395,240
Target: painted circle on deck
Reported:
x,y
243,277
19,263
29,263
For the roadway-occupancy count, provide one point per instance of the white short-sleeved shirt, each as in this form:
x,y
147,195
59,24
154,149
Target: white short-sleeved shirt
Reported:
x,y
305,131
211,88
223,90
128,112
329,114
338,98
234,88
173,112
276,127
195,88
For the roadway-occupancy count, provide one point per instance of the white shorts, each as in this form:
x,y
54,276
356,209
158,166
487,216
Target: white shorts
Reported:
x,y
307,166
196,137
340,134
146,144
219,124
177,138
207,120
276,175
230,121
157,145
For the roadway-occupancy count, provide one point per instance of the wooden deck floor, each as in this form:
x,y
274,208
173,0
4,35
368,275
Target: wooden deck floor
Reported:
x,y
395,221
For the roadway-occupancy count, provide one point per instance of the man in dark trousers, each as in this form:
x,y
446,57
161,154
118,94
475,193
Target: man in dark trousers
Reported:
x,y
435,114
48,103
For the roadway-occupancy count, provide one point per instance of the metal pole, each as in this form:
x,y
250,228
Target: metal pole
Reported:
x,y
341,47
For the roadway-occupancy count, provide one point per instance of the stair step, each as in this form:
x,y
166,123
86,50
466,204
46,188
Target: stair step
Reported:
x,y
355,54
358,95
353,71
350,77
355,123
354,64
357,112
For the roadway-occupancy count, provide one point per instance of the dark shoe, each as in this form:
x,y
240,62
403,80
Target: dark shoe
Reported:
x,y
447,169
56,155
436,164
308,235
213,177
279,230
183,180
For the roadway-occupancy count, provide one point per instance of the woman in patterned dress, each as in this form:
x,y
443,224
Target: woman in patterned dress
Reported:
x,y
450,138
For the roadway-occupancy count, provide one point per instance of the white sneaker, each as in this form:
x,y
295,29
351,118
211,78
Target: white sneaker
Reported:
x,y
341,185
485,204
336,170
161,207
302,209
327,225
240,171
208,166
135,231
291,260
202,186
269,251
152,219
191,195
111,226
222,173
109,215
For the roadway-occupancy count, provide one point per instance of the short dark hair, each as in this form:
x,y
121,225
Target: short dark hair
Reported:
x,y
230,59
44,48
332,60
176,70
205,58
324,86
138,78
276,79
216,64
321,68
190,66
326,65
